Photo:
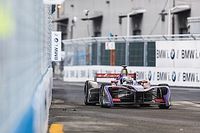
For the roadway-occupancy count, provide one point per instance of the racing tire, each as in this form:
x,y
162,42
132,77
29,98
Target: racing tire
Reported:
x,y
86,95
103,105
164,92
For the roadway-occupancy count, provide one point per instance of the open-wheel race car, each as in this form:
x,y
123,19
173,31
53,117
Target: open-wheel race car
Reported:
x,y
125,90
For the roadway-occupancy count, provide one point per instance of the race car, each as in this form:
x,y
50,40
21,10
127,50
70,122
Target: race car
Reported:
x,y
126,91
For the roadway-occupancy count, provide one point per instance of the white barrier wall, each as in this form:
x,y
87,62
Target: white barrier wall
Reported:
x,y
25,73
41,103
188,77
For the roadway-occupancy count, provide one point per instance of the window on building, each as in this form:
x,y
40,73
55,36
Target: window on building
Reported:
x,y
63,29
136,20
179,23
182,21
96,18
62,25
136,24
97,24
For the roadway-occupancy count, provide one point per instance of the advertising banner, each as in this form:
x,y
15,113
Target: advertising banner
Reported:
x,y
186,77
56,46
178,54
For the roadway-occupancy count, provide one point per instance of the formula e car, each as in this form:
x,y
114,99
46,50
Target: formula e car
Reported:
x,y
127,92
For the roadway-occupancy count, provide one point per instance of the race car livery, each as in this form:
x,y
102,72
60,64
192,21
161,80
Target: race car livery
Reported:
x,y
125,90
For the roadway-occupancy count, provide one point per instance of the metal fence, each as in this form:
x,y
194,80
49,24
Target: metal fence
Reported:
x,y
132,51
24,60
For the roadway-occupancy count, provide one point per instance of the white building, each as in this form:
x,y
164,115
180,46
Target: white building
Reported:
x,y
86,18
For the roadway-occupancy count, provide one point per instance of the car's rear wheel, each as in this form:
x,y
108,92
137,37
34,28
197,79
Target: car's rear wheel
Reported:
x,y
86,92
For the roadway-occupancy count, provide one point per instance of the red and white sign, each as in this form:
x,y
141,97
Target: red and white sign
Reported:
x,y
110,45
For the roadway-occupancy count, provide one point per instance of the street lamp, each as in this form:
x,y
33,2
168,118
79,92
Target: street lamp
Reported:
x,y
169,15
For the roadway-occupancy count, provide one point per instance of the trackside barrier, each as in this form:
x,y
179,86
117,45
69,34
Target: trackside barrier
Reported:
x,y
25,74
42,102
187,77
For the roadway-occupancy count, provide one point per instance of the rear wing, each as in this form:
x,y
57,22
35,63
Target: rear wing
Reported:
x,y
111,76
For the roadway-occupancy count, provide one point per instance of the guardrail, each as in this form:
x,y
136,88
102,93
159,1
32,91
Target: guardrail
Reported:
x,y
136,38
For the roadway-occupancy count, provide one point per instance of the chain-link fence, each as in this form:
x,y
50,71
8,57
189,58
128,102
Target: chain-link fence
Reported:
x,y
132,51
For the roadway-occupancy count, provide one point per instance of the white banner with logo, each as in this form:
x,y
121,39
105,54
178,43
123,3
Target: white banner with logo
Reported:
x,y
56,46
187,77
178,54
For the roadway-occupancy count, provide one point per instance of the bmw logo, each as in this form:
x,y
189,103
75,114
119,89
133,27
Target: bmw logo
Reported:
x,y
172,54
173,76
56,39
149,75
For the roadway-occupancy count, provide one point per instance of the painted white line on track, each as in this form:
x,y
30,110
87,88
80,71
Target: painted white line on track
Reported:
x,y
186,103
186,89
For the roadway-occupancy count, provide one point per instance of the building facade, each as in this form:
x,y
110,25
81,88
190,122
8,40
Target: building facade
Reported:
x,y
94,18
115,18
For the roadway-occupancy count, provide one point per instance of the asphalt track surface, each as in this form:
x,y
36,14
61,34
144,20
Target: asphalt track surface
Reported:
x,y
68,109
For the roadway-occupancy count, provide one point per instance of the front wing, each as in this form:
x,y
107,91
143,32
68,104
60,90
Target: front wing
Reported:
x,y
115,95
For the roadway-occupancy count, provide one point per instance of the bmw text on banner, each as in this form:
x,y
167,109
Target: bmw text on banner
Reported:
x,y
56,46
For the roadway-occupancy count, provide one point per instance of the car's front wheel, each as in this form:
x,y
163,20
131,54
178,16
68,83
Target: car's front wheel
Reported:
x,y
102,98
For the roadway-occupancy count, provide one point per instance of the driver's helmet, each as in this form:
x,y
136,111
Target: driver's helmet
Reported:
x,y
127,80
124,70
